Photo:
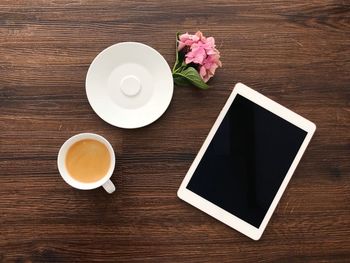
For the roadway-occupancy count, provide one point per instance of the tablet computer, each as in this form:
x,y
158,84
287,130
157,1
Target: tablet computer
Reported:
x,y
246,161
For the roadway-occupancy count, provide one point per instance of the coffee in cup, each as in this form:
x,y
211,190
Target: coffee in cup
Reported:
x,y
86,161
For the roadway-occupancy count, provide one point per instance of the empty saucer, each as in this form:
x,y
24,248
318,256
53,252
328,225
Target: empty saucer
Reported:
x,y
129,85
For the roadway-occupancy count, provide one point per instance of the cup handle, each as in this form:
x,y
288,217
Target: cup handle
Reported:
x,y
109,187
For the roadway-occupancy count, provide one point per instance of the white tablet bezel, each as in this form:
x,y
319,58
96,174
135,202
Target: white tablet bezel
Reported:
x,y
221,214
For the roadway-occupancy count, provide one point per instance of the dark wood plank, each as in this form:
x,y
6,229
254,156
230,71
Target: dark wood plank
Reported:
x,y
297,53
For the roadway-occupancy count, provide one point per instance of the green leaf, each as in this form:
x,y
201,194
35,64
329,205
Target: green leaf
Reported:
x,y
192,76
180,80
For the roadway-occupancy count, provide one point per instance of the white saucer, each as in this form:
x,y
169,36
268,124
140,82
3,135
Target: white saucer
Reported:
x,y
129,85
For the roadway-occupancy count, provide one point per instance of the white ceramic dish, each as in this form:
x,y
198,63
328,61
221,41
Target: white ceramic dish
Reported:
x,y
129,85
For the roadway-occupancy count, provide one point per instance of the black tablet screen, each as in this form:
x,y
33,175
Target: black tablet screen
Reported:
x,y
247,160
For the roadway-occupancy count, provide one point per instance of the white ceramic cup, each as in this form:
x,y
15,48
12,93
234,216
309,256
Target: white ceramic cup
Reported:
x,y
105,181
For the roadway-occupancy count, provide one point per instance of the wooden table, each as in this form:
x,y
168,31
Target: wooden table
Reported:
x,y
295,52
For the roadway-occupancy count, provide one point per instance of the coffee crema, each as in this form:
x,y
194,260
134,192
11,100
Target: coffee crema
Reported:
x,y
88,160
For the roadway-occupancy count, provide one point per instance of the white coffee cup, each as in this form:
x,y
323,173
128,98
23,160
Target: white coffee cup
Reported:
x,y
105,181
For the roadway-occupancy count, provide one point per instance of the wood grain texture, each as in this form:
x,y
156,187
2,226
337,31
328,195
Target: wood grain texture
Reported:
x,y
296,52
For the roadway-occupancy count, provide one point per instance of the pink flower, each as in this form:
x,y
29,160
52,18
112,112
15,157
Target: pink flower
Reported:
x,y
201,51
187,39
196,55
210,64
